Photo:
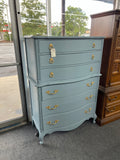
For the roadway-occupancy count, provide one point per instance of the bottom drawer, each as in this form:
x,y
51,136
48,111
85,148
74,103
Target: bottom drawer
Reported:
x,y
68,118
112,110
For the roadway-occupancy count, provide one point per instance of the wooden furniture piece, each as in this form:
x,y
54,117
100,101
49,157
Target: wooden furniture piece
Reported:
x,y
107,24
64,86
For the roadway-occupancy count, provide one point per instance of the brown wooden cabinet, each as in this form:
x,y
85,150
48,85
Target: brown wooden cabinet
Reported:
x,y
107,24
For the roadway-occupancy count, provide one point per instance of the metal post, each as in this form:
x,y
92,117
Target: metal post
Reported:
x,y
116,4
48,14
63,17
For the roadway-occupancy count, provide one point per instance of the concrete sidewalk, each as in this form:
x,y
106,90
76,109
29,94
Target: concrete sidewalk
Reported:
x,y
10,103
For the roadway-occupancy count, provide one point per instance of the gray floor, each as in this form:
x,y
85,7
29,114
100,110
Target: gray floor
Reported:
x,y
88,142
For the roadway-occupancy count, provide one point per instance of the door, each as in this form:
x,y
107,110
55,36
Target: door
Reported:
x,y
12,95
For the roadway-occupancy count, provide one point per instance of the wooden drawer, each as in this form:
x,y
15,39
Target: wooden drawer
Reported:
x,y
113,109
112,98
68,103
68,59
118,43
70,89
68,45
68,118
68,74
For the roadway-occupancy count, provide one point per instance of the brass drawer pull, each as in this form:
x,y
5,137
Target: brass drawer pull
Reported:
x,y
51,60
93,56
112,99
54,92
49,107
88,110
89,85
50,45
91,69
50,123
51,75
93,46
88,98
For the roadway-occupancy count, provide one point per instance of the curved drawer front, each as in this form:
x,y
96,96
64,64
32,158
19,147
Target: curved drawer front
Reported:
x,y
69,45
68,118
67,59
69,89
68,73
58,105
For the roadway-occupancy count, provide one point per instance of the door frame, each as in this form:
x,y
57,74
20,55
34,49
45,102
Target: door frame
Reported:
x,y
13,5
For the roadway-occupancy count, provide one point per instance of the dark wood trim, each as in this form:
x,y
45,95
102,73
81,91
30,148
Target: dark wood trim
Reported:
x,y
109,82
109,89
117,11
104,121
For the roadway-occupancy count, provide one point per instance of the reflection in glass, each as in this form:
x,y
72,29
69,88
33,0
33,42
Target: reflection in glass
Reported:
x,y
7,54
10,102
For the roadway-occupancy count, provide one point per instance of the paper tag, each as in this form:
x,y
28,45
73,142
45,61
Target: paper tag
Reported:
x,y
53,52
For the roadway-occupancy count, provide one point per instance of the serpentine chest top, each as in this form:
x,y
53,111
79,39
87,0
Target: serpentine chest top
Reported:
x,y
64,78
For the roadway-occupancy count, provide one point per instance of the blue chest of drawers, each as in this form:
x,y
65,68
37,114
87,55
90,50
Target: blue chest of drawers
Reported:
x,y
63,87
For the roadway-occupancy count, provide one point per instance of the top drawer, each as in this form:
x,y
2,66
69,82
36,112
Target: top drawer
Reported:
x,y
69,59
68,45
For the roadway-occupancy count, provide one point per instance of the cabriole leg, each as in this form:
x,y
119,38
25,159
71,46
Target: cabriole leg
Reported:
x,y
41,138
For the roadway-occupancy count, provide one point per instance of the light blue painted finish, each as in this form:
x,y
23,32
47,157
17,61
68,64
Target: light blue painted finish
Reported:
x,y
71,126
69,46
71,72
31,58
74,73
35,104
70,59
68,103
66,118
43,84
70,89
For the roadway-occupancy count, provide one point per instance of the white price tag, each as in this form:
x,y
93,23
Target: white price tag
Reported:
x,y
53,52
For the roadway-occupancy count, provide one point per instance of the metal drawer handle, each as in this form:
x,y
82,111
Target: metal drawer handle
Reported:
x,y
54,92
112,99
88,98
50,45
51,75
88,110
50,123
89,85
49,107
91,69
51,60
93,46
93,56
